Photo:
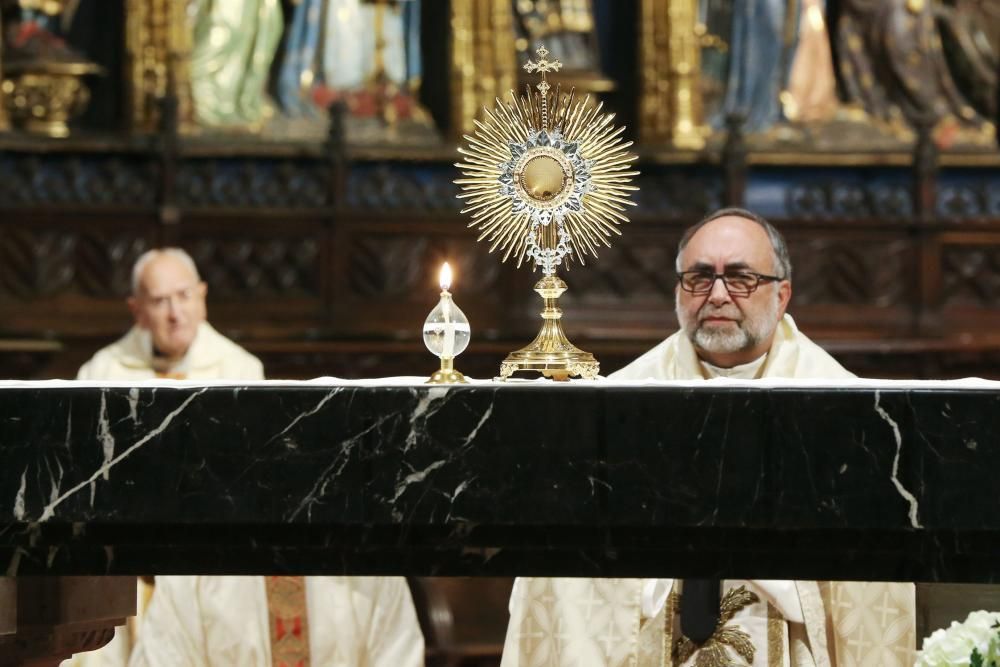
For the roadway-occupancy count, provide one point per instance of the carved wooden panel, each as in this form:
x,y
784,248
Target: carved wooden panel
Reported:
x,y
970,275
869,271
686,193
288,266
403,266
41,263
967,195
255,183
65,179
626,274
827,194
388,278
392,187
250,268
826,201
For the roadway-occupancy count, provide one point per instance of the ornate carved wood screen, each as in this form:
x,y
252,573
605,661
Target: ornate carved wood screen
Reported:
x,y
321,256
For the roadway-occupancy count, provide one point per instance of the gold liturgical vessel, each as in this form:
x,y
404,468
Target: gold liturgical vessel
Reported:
x,y
547,179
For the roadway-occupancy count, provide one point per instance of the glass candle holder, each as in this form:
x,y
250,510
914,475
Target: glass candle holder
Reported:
x,y
446,333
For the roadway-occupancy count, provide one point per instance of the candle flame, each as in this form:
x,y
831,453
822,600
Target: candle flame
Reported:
x,y
444,278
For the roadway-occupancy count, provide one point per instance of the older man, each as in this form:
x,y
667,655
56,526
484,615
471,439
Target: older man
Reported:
x,y
170,338
734,284
266,621
213,621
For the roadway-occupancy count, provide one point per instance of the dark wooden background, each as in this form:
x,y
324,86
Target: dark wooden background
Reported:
x,y
323,261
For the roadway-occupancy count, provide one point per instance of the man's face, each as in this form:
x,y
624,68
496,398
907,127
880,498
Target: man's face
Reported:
x,y
729,330
170,304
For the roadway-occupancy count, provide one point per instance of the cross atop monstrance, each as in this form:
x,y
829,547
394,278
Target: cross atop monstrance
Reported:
x,y
542,66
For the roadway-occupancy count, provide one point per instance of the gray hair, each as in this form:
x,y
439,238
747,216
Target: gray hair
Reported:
x,y
782,261
148,256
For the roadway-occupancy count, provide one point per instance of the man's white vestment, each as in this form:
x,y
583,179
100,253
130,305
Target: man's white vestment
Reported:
x,y
562,622
208,621
211,356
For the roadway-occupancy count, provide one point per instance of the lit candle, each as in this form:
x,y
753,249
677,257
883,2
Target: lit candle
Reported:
x,y
444,278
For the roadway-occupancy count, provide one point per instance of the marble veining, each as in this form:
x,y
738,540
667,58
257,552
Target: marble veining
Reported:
x,y
304,415
588,479
111,461
909,497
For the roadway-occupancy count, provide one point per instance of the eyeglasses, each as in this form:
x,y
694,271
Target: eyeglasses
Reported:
x,y
739,283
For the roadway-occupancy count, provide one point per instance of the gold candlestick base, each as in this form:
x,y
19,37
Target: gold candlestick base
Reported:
x,y
447,374
551,353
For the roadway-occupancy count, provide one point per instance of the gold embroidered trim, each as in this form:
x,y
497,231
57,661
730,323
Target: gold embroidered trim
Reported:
x,y
714,653
286,610
775,637
666,651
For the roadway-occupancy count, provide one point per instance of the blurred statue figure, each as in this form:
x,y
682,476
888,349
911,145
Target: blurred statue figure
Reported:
x,y
811,93
893,67
566,28
714,31
364,53
970,35
233,45
768,60
760,48
34,31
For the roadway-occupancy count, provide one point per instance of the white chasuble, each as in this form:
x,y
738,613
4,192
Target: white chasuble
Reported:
x,y
606,623
203,621
628,622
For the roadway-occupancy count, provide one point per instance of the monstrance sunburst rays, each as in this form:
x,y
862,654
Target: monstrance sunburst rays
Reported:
x,y
547,178
542,158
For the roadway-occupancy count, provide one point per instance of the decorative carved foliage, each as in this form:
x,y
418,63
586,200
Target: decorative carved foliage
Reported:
x,y
625,274
420,189
46,263
425,189
673,193
839,271
970,275
68,179
394,266
250,268
964,200
253,183
829,200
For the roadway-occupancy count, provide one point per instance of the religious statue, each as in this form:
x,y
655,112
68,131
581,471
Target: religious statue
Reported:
x,y
364,53
567,29
761,44
713,29
892,66
233,46
768,60
970,35
811,92
42,76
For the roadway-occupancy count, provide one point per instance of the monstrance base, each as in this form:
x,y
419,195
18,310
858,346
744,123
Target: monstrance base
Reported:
x,y
555,365
551,353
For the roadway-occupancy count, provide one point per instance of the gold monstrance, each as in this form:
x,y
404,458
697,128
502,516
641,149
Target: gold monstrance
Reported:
x,y
547,178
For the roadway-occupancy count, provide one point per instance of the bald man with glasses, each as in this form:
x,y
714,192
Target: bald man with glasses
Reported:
x,y
734,284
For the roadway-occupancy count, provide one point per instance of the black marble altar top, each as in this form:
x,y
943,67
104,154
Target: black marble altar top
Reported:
x,y
870,482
